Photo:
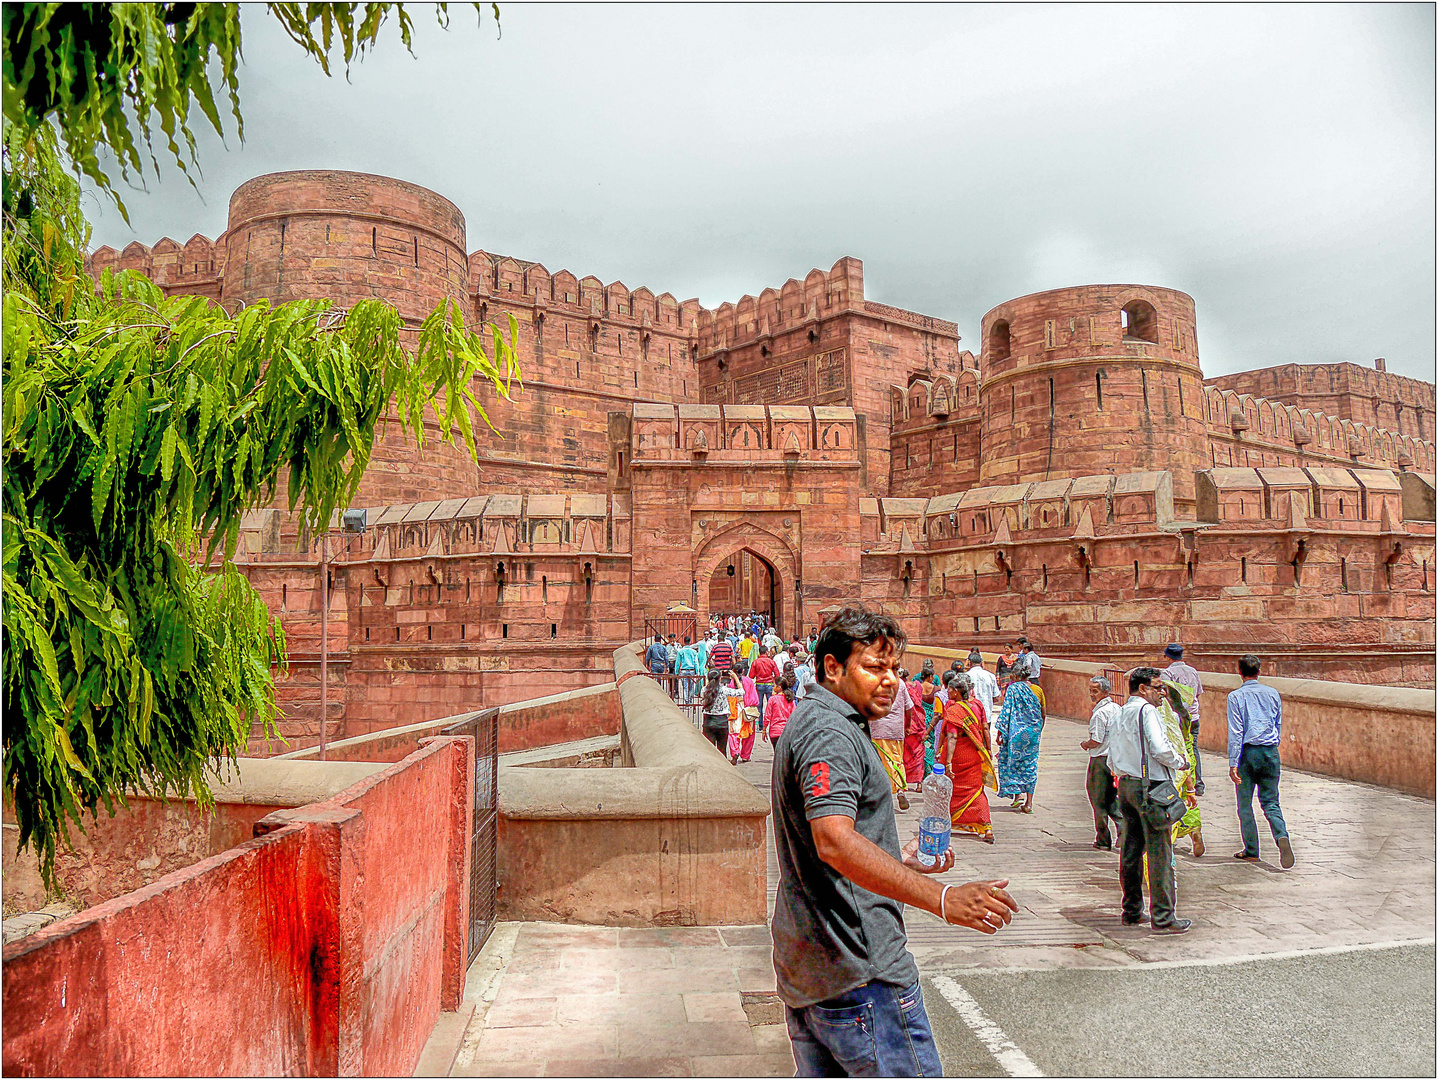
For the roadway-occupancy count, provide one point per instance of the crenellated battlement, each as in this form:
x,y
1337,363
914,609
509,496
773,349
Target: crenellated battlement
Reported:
x,y
578,525
793,306
719,434
200,263
513,281
1247,431
1371,502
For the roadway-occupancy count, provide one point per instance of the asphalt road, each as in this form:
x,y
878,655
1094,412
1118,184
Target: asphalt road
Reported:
x,y
1359,1013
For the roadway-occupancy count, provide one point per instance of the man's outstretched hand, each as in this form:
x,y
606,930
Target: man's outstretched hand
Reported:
x,y
984,906
911,859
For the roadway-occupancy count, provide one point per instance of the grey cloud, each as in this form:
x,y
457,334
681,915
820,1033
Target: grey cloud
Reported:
x,y
1275,161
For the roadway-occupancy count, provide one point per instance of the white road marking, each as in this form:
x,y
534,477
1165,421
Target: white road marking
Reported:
x,y
1219,961
1013,1060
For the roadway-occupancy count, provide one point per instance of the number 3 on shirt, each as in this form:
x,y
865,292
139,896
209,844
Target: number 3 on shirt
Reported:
x,y
819,774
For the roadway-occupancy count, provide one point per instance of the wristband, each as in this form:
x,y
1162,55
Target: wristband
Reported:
x,y
942,897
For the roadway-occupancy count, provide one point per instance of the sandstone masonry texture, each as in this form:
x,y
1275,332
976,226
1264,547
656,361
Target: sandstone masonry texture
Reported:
x,y
1073,476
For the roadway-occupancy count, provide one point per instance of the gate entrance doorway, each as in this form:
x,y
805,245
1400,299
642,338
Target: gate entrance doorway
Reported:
x,y
745,582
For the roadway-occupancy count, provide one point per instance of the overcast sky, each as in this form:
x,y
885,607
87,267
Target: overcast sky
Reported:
x,y
1274,161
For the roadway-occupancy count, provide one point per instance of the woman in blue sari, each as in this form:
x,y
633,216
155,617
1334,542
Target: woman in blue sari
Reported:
x,y
1019,728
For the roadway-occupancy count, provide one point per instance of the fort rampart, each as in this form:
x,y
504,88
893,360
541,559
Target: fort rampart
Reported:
x,y
1074,476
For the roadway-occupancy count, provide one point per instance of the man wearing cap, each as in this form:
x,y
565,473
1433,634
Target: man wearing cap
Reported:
x,y
1179,672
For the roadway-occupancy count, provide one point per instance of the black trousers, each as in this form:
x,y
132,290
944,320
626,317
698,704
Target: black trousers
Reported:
x,y
1197,762
719,737
1140,838
1103,797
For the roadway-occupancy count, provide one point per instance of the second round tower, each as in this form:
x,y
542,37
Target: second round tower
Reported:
x,y
1092,379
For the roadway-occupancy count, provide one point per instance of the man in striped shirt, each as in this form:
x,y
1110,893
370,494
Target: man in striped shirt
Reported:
x,y
721,656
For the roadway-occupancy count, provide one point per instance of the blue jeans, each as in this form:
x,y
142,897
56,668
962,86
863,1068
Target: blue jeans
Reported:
x,y
764,690
874,1030
1258,767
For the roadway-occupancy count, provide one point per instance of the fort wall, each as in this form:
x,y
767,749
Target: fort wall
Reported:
x,y
1073,476
1371,396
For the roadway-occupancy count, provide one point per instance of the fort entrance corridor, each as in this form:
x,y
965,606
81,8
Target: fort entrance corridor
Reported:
x,y
1351,926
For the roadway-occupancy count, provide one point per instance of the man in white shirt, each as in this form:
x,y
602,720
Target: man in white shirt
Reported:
x,y
1137,732
985,686
1030,659
1102,794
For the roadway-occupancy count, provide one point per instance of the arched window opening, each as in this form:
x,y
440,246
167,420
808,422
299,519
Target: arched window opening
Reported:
x,y
999,341
1140,321
1343,573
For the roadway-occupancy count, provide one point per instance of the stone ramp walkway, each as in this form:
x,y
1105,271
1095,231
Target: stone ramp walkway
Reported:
x,y
549,999
1365,873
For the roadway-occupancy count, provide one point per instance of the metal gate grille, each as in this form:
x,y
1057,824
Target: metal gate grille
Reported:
x,y
484,832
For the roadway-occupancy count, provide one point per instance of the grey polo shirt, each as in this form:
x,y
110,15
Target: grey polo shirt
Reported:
x,y
831,936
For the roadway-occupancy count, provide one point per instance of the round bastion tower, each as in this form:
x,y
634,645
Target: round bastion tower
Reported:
x,y
1093,379
346,237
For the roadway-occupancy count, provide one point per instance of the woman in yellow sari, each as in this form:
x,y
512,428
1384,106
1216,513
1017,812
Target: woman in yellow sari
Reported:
x,y
965,751
1177,700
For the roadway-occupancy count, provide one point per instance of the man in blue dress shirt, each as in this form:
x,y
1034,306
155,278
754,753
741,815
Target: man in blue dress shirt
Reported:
x,y
1255,721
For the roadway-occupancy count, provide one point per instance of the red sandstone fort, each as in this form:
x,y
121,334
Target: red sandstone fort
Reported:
x,y
1077,479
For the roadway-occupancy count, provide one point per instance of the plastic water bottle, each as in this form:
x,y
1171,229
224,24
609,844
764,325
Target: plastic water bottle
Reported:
x,y
935,825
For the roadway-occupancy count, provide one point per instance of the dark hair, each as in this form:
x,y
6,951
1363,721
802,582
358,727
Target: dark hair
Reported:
x,y
927,668
1023,640
1139,676
786,684
852,625
949,677
954,667
711,689
688,640
741,667
1018,674
963,686
1248,666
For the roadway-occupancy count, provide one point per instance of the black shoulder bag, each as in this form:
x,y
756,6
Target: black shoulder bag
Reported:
x,y
1163,806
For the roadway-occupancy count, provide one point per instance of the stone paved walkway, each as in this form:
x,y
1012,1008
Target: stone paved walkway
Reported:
x,y
551,1000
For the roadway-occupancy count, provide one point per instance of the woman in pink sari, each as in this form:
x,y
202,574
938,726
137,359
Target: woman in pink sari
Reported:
x,y
741,743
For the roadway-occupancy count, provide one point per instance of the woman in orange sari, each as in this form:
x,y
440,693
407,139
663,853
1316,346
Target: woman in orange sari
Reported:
x,y
966,752
915,729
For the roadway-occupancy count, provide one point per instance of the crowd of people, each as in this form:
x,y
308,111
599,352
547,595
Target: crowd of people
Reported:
x,y
743,675
867,733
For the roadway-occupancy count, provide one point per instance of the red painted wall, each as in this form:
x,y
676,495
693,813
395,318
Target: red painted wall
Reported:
x,y
339,935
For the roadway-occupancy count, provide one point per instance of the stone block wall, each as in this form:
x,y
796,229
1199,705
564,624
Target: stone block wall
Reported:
x,y
1365,395
1073,475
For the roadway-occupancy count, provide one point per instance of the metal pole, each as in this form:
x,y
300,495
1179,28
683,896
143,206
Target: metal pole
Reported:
x,y
324,638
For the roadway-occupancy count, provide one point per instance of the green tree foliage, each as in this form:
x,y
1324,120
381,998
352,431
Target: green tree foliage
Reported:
x,y
137,430
106,75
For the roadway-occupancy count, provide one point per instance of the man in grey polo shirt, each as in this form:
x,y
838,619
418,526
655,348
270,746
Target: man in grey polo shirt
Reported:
x,y
849,985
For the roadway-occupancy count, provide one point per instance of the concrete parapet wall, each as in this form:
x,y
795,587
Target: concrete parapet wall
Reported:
x,y
1375,734
142,843
343,926
676,838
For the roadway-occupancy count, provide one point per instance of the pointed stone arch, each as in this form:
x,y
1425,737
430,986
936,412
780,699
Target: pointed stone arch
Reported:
x,y
776,553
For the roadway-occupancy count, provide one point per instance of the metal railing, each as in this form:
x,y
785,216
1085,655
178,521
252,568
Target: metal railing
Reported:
x,y
484,832
684,691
